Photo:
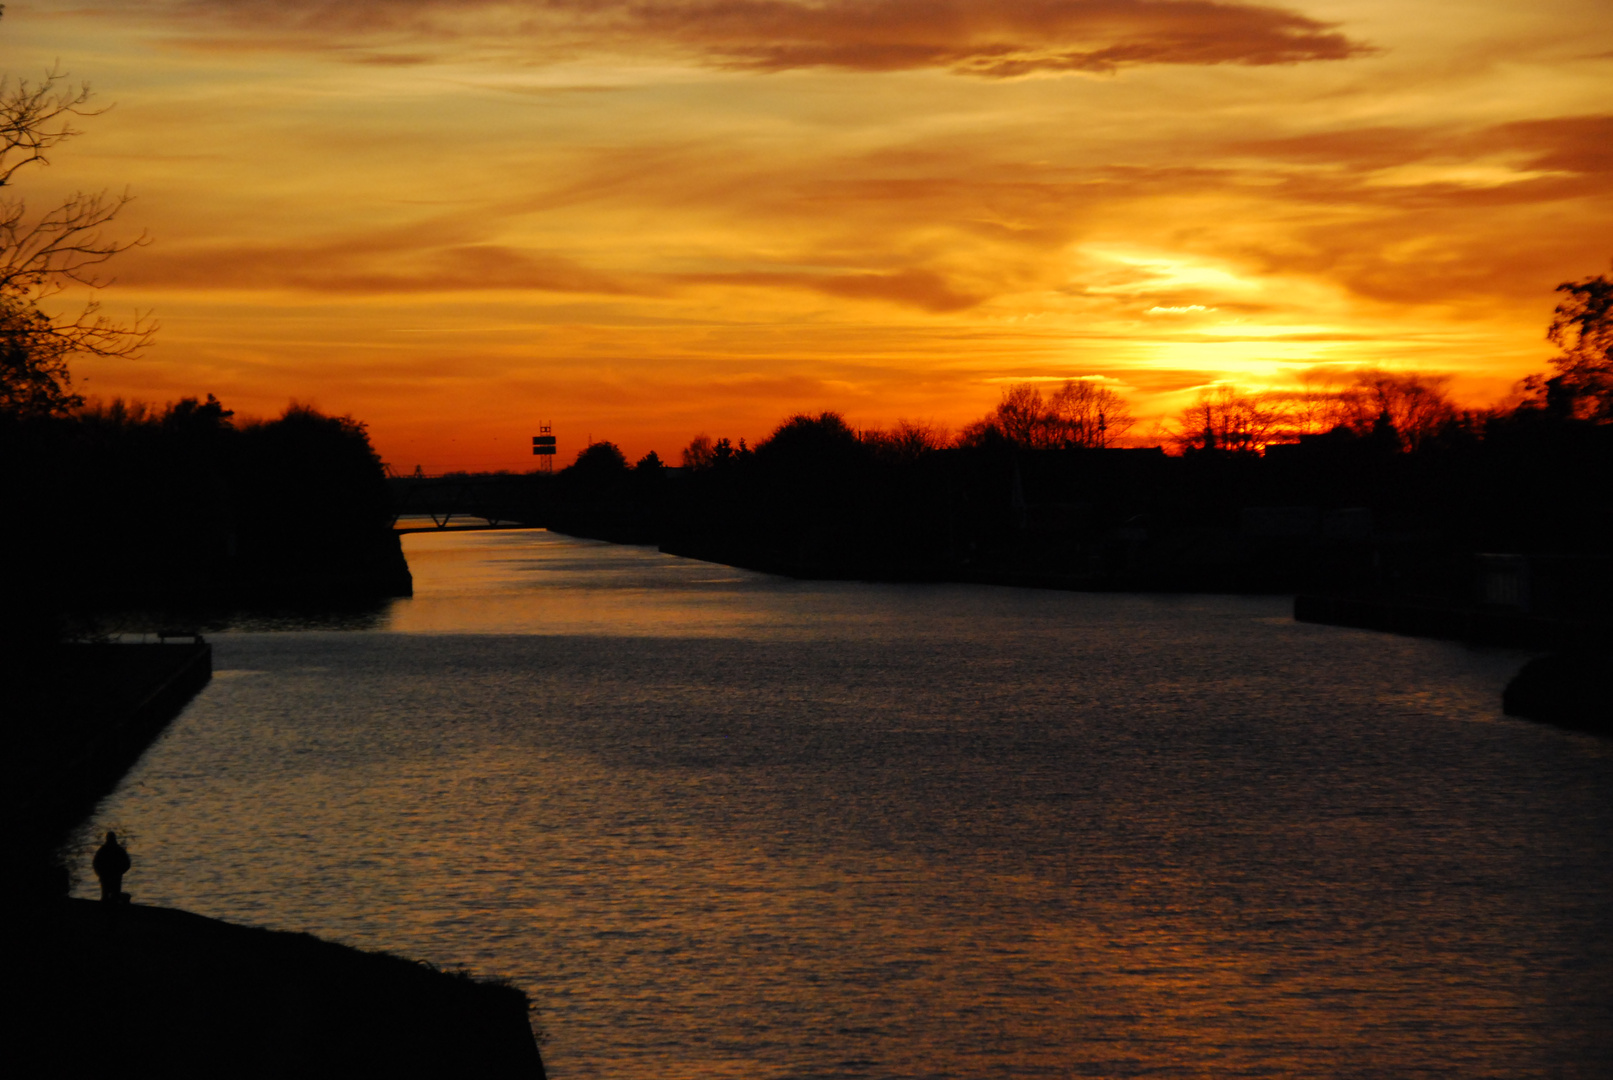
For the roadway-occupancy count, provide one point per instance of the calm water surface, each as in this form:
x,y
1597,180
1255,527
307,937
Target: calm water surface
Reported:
x,y
724,824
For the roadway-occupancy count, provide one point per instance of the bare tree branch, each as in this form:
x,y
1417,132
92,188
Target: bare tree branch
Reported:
x,y
42,255
1224,419
35,117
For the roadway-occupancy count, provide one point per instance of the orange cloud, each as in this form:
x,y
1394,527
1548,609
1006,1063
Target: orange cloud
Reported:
x,y
1005,38
914,288
397,262
1573,151
645,219
1576,144
1002,39
361,265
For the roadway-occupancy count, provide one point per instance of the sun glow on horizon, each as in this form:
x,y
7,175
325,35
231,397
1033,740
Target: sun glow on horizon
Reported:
x,y
641,222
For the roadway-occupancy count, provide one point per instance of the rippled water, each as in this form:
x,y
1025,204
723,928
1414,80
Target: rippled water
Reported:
x,y
723,824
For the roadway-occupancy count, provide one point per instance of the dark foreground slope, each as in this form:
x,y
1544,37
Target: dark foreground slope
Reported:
x,y
166,993
157,992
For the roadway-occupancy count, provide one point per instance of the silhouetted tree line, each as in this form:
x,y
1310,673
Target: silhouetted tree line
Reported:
x,y
126,505
1358,512
1364,482
600,495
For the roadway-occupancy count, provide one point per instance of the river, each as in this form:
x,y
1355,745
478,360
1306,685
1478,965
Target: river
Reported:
x,y
722,824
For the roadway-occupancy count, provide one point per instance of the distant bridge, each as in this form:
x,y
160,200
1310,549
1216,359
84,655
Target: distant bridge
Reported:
x,y
461,502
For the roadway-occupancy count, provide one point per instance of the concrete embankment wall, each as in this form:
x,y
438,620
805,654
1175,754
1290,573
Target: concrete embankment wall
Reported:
x,y
81,715
1477,625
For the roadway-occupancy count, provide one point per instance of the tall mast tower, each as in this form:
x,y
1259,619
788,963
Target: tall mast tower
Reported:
x,y
543,447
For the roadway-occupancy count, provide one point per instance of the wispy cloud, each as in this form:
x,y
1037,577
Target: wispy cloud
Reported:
x,y
368,265
913,288
1581,145
648,217
1001,39
407,261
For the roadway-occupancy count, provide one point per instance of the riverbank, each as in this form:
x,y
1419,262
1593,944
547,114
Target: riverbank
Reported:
x,y
1478,626
175,992
137,990
140,509
78,717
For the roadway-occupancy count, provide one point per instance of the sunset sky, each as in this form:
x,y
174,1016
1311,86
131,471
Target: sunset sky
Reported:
x,y
640,221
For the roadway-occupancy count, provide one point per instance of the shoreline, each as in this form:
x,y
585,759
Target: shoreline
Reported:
x,y
83,715
114,986
130,989
1474,625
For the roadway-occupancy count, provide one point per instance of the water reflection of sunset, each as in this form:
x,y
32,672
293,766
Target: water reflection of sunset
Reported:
x,y
644,221
761,827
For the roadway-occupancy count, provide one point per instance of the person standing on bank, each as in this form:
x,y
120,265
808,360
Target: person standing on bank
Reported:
x,y
111,862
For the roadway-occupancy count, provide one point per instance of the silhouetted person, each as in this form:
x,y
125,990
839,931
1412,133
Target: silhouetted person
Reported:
x,y
111,862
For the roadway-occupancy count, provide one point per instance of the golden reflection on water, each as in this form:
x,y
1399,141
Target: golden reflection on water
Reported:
x,y
724,825
536,582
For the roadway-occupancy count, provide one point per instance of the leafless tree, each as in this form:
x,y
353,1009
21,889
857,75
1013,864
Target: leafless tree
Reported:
x,y
1078,414
700,453
909,440
1022,417
1321,402
916,437
1417,406
42,254
1084,413
1226,419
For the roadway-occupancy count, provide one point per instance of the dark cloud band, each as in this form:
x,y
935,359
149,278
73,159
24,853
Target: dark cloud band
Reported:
x,y
996,39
